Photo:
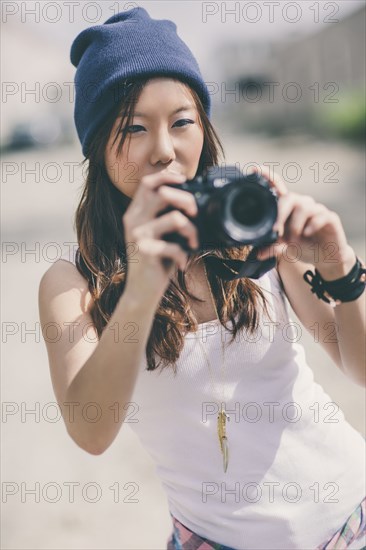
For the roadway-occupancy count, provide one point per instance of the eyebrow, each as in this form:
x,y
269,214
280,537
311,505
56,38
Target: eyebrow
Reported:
x,y
179,110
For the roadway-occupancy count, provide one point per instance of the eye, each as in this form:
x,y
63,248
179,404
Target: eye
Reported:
x,y
133,129
183,122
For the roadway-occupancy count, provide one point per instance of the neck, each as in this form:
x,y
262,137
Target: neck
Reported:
x,y
203,309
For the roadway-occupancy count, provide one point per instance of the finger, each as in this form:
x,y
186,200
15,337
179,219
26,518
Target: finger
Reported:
x,y
179,198
147,202
317,222
301,214
274,179
159,248
285,206
152,181
173,221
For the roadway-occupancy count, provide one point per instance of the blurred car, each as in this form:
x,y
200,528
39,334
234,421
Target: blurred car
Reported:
x,y
40,132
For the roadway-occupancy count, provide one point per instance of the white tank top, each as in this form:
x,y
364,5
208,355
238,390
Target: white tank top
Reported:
x,y
296,467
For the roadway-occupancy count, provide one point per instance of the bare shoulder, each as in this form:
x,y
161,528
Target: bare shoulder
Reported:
x,y
63,280
68,330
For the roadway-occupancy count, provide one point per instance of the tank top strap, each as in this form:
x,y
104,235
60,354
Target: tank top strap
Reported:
x,y
275,279
272,283
270,280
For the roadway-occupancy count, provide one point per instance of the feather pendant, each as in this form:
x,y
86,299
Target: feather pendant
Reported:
x,y
221,430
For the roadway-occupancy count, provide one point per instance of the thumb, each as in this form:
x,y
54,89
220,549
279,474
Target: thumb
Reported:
x,y
273,250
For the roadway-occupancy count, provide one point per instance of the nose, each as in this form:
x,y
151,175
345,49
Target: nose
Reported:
x,y
163,148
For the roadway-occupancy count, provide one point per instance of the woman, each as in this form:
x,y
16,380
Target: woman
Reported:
x,y
150,320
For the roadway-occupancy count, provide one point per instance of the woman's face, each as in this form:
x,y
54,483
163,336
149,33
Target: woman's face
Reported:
x,y
165,135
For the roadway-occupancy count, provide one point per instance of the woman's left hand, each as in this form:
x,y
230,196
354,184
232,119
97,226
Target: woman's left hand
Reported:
x,y
314,232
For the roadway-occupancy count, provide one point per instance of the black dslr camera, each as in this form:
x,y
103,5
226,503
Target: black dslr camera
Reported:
x,y
233,209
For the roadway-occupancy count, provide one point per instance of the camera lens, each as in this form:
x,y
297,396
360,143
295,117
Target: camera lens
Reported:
x,y
248,209
249,213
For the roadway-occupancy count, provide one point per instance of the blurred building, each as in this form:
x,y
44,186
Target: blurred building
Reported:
x,y
36,88
296,80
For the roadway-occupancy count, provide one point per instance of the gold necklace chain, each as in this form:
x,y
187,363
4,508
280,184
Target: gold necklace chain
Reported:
x,y
222,415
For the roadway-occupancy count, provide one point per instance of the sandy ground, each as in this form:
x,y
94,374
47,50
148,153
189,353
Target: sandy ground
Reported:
x,y
118,502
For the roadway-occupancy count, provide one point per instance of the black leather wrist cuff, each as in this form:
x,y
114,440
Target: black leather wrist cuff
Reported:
x,y
345,289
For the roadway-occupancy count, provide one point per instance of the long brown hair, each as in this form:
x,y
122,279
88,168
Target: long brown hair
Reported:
x,y
101,257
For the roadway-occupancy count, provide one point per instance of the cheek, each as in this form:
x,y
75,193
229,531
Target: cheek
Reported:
x,y
122,171
125,176
192,153
194,145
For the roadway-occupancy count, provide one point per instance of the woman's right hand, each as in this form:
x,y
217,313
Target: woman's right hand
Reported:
x,y
151,260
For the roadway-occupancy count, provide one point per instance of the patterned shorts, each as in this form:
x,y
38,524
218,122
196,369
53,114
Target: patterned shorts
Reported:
x,y
183,538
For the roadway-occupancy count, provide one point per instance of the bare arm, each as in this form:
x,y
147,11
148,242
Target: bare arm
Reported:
x,y
310,226
348,348
108,377
95,379
90,376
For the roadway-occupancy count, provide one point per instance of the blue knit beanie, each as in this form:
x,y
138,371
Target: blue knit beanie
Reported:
x,y
128,45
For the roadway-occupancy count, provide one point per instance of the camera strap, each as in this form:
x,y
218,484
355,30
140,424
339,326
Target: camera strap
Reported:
x,y
235,269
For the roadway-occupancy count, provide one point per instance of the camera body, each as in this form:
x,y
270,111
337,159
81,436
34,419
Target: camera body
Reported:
x,y
233,209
